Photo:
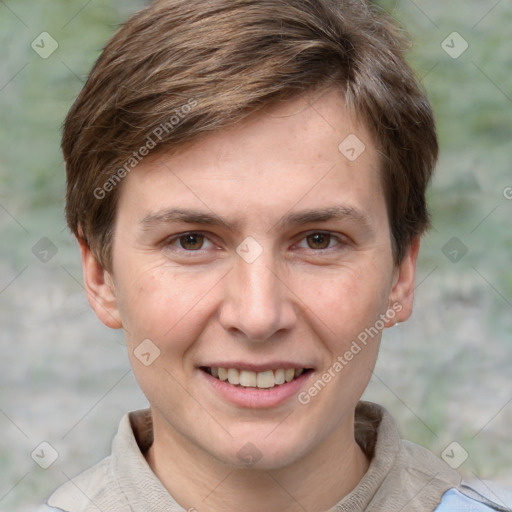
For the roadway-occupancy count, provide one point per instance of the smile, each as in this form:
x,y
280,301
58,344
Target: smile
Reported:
x,y
251,379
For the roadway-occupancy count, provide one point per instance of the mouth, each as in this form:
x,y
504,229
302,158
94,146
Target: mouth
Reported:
x,y
251,379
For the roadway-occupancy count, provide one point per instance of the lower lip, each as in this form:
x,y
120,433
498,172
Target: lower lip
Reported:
x,y
256,398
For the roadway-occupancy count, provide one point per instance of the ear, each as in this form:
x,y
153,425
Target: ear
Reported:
x,y
99,287
402,294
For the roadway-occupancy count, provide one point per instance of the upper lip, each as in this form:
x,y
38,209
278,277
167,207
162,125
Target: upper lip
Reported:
x,y
271,365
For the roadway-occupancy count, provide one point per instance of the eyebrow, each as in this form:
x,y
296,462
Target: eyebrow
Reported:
x,y
185,215
191,216
338,212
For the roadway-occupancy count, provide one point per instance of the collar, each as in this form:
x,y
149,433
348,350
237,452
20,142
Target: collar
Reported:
x,y
402,476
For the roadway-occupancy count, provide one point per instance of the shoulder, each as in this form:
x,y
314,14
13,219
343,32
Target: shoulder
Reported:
x,y
418,480
468,500
83,492
105,485
459,497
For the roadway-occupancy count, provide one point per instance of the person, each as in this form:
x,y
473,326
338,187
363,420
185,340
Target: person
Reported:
x,y
246,181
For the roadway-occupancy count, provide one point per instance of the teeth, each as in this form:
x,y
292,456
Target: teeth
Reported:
x,y
265,379
250,379
233,376
279,376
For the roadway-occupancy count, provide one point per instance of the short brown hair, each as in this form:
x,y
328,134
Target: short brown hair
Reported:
x,y
209,64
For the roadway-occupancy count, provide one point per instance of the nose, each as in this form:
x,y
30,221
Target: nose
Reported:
x,y
257,301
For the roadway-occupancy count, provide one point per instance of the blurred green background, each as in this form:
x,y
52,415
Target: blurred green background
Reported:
x,y
445,374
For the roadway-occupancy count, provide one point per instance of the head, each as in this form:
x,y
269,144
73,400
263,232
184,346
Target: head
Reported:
x,y
292,142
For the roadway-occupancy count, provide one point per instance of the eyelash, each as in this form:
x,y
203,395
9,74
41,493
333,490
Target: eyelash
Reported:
x,y
341,242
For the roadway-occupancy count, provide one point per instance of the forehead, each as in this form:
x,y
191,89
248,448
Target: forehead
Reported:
x,y
298,154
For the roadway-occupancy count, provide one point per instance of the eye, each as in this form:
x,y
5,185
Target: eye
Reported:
x,y
320,241
190,242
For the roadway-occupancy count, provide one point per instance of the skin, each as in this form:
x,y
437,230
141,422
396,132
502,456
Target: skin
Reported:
x,y
301,300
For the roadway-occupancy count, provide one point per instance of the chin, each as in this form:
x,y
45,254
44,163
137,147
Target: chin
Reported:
x,y
263,451
262,460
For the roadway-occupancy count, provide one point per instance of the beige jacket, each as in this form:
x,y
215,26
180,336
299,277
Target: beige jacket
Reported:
x,y
402,476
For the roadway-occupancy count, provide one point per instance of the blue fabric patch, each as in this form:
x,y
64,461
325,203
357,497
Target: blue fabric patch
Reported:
x,y
454,501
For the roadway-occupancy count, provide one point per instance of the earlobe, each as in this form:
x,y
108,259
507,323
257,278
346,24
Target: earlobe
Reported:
x,y
100,289
402,294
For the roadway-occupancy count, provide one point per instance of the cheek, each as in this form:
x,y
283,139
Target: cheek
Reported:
x,y
169,308
345,309
347,301
162,303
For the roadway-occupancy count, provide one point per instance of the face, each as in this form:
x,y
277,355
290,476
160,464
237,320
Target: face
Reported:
x,y
264,253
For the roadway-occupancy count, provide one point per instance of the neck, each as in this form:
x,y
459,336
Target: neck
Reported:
x,y
316,482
